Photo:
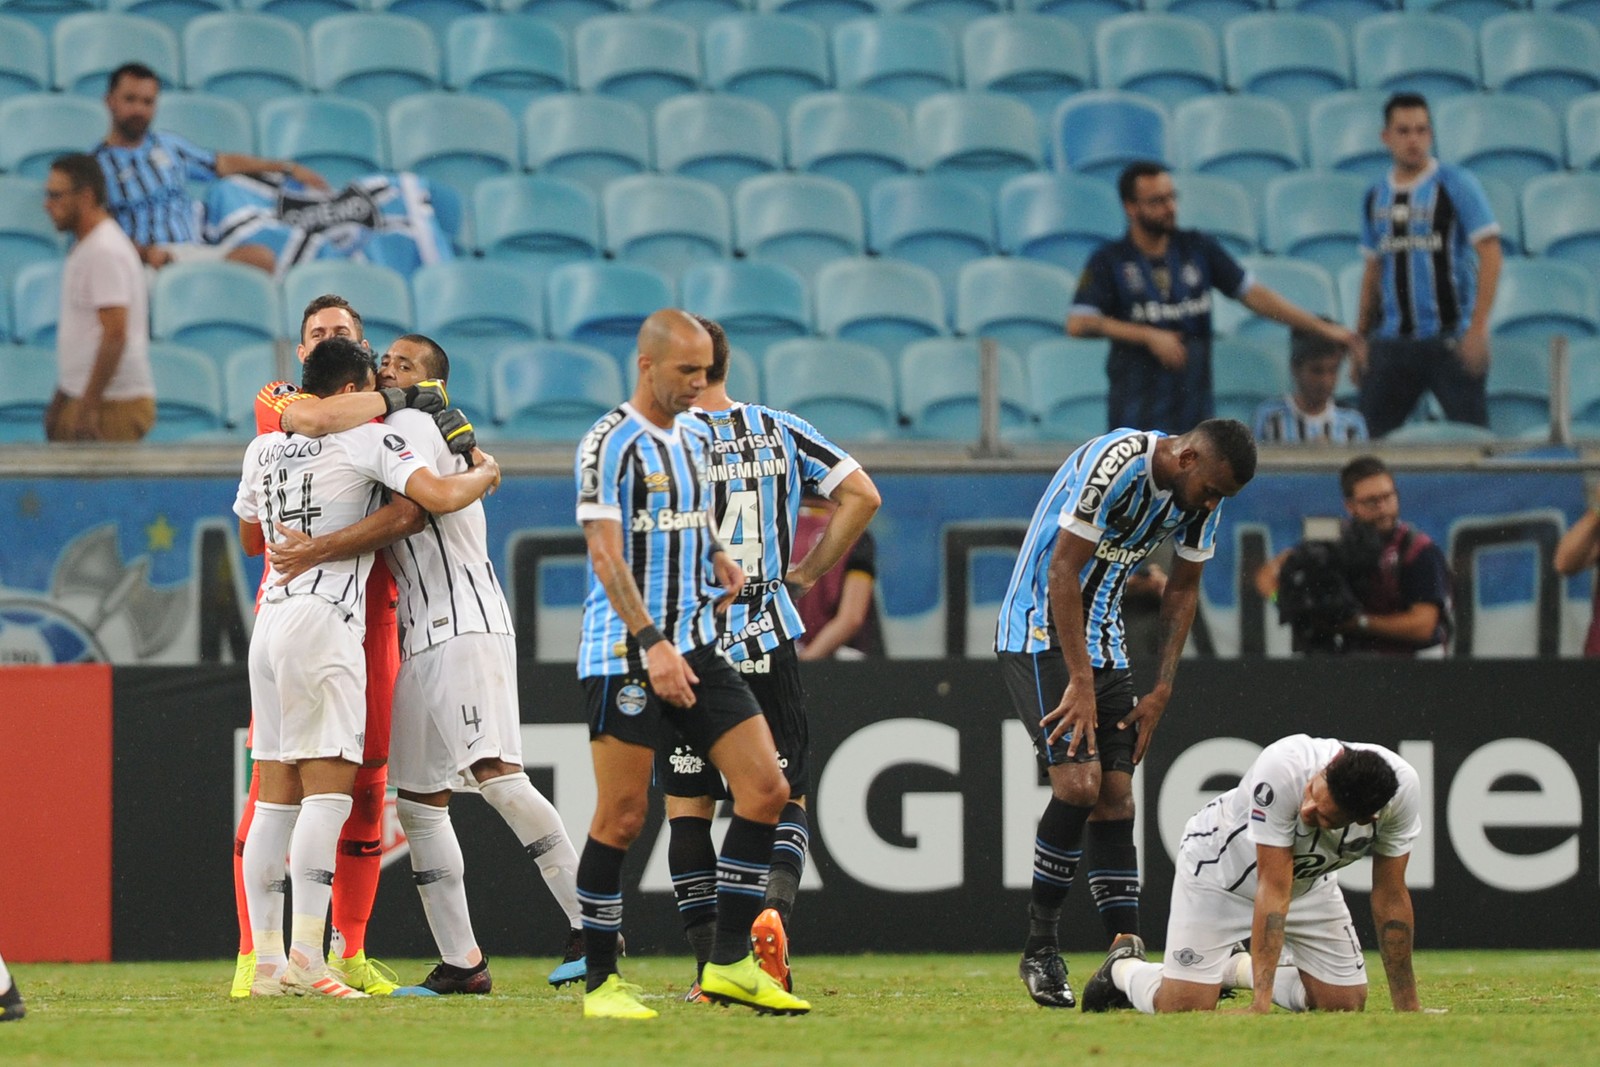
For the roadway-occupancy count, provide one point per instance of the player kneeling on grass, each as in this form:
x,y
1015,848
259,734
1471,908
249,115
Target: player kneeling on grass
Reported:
x,y
1259,861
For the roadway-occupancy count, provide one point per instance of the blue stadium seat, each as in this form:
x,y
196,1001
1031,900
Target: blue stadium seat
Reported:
x,y
244,371
772,59
380,294
1502,135
983,138
587,139
1583,132
717,138
956,15
1244,374
825,13
1583,371
799,220
1316,216
1344,12
173,14
1038,60
36,303
1553,57
30,376
216,122
938,382
510,59
1168,58
24,58
637,58
1563,218
1015,301
1067,380
374,58
1057,218
1345,134
338,138
1297,59
471,387
1506,205
303,13
453,138
437,15
1086,15
666,223
246,57
536,223
1588,10
474,308
901,58
1348,282
26,233
1430,54
1250,139
214,308
1441,432
188,393
41,126
1220,207
757,303
554,391
603,305
564,13
849,136
89,47
1099,133
934,221
847,389
1543,297
1473,13
696,14
1300,282
881,302
1217,14
1518,387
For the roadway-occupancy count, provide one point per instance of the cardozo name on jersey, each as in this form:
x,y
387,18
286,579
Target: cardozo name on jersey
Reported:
x,y
667,520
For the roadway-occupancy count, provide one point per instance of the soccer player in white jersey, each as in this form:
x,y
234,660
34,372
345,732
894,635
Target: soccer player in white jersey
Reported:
x,y
307,669
11,1006
1260,861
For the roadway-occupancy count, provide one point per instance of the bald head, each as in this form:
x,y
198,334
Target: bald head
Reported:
x,y
670,331
674,355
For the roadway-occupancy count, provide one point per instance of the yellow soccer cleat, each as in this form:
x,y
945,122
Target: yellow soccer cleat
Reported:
x,y
615,999
368,975
244,973
747,984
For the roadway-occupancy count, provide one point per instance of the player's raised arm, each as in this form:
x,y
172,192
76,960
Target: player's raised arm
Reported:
x,y
443,495
858,502
1393,919
1274,884
293,553
670,675
1077,711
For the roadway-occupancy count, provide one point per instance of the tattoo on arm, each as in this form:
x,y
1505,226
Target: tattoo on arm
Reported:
x,y
626,599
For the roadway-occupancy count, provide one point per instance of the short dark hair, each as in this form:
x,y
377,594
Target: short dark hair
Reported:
x,y
1359,470
438,362
718,371
323,303
1144,168
1403,100
335,363
1305,346
1361,782
84,172
130,70
1234,443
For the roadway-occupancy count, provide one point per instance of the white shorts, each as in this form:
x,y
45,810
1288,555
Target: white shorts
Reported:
x,y
454,704
1206,920
308,682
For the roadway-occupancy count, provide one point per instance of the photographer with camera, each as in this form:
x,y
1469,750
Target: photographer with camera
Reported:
x,y
1380,586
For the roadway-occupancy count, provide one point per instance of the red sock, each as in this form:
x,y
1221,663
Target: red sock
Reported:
x,y
355,877
246,939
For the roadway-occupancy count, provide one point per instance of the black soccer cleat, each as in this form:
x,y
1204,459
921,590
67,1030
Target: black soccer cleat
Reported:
x,y
11,1007
1100,993
447,978
1044,972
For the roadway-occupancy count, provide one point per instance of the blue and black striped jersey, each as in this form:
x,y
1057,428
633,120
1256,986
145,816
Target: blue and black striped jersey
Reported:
x,y
1282,421
146,187
1106,493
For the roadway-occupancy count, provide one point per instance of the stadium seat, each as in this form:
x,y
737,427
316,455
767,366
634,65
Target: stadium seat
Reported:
x,y
536,223
89,47
474,308
1348,282
983,138
1220,207
24,58
30,376
1553,57
665,223
1563,218
955,15
1502,135
901,58
214,308
772,59
1217,14
471,387
637,58
340,139
1583,371
1430,54
1168,58
717,138
758,304
799,220
372,57
1302,283
188,393
1244,374
437,15
825,13
510,59
1036,59
1067,380
1441,432
26,233
1345,134
1316,216
173,14
246,57
587,139
938,381
849,136
1099,133
1085,15
1057,218
880,302
453,138
1518,386
216,122
1506,204
36,303
1296,59
1015,301
1543,297
1583,132
696,14
244,371
564,13
846,388
934,221
41,126
302,13
554,391
1250,139
603,305
381,294
1474,13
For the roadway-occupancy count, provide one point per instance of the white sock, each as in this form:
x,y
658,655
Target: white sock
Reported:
x,y
266,847
440,873
313,850
538,826
1140,980
1241,972
5,976
1288,991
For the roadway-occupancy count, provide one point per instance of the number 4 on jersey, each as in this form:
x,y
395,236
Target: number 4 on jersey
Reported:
x,y
740,532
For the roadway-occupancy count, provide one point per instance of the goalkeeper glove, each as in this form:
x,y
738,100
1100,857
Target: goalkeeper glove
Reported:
x,y
457,431
427,396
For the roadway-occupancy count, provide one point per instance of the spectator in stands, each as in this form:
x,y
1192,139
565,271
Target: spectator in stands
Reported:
x,y
147,170
1578,551
1150,293
1432,248
104,388
1309,415
841,611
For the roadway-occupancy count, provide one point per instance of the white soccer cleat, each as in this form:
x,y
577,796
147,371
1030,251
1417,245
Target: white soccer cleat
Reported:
x,y
301,982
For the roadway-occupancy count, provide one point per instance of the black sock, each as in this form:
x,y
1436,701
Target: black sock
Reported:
x,y
741,879
692,859
600,898
1056,851
1114,876
789,844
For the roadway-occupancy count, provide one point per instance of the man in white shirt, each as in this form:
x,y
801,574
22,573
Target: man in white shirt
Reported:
x,y
104,389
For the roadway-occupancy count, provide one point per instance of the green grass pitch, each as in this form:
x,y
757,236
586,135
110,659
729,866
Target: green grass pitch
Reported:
x,y
1504,1008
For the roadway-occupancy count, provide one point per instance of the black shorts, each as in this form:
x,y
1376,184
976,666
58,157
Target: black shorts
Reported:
x,y
623,706
681,769
1036,681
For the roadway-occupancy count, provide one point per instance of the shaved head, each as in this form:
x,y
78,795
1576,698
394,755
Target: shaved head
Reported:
x,y
674,356
668,330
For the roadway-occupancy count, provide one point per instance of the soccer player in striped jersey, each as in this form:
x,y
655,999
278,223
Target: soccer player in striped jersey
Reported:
x,y
1309,414
763,461
1062,655
650,660
307,667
